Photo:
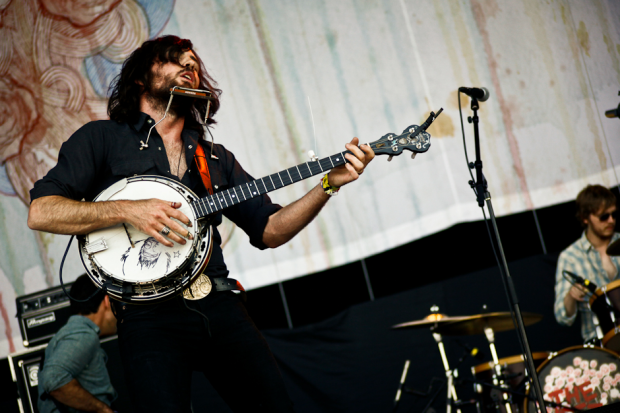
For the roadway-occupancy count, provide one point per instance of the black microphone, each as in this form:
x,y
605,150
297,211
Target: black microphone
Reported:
x,y
586,283
480,93
613,113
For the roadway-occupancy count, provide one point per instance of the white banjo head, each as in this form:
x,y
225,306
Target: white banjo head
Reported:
x,y
146,270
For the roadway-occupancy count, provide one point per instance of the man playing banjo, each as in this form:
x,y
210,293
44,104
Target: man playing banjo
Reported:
x,y
162,343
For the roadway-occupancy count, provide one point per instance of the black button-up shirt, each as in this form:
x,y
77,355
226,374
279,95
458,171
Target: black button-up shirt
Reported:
x,y
104,152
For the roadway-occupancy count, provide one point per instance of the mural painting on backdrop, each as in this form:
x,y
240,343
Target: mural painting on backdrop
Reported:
x,y
57,58
368,68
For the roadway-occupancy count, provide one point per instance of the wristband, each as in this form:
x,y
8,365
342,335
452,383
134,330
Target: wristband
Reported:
x,y
329,190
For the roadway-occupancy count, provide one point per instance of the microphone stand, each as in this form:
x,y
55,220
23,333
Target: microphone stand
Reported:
x,y
482,196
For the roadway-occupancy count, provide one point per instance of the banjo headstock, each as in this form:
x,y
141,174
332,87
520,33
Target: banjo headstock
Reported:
x,y
414,138
393,145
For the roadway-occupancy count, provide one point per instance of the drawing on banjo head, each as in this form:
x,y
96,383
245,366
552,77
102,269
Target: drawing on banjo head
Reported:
x,y
148,271
147,257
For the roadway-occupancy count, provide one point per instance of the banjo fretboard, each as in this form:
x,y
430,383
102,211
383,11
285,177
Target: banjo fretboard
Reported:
x,y
241,193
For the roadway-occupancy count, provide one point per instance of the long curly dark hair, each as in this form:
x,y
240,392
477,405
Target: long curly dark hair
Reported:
x,y
126,89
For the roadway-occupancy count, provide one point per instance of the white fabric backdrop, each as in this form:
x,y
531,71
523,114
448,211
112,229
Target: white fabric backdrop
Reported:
x,y
365,68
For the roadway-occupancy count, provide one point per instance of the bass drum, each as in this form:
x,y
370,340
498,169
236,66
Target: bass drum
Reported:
x,y
583,377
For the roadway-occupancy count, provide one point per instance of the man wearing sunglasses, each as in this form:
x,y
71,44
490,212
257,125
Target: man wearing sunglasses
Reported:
x,y
587,258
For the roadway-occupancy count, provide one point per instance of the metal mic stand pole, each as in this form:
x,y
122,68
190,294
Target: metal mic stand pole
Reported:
x,y
483,195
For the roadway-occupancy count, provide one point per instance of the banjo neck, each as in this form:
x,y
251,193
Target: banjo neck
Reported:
x,y
221,200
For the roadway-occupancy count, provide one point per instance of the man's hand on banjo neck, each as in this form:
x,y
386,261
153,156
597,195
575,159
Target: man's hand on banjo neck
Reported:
x,y
60,215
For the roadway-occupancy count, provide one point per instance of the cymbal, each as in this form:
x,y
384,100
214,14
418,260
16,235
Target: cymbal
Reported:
x,y
614,248
476,324
431,320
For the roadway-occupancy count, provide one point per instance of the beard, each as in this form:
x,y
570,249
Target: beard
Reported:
x,y
605,232
158,95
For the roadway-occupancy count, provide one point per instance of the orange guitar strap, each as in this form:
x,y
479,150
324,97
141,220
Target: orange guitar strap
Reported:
x,y
203,168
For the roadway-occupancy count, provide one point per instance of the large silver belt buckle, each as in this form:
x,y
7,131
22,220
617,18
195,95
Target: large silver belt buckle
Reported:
x,y
200,288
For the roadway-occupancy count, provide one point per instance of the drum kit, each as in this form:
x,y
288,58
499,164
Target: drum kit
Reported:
x,y
576,378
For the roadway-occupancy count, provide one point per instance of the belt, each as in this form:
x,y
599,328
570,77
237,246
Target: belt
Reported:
x,y
204,284
226,284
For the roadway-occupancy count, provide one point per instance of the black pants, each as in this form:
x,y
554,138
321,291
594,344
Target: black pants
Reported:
x,y
162,344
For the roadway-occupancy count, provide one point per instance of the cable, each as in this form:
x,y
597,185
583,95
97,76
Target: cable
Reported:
x,y
207,324
62,263
464,142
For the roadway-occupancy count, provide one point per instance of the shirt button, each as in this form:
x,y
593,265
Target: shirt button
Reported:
x,y
149,121
216,186
190,146
159,147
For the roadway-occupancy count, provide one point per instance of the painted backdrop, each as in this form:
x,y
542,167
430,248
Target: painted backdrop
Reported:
x,y
311,74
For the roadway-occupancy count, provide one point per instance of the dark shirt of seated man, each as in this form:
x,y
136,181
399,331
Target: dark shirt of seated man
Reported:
x,y
74,371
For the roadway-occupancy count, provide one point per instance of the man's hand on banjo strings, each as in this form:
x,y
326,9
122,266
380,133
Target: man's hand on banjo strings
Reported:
x,y
154,218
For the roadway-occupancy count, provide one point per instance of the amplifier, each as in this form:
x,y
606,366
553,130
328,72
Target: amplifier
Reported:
x,y
42,314
25,372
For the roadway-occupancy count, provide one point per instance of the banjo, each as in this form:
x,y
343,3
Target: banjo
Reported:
x,y
135,268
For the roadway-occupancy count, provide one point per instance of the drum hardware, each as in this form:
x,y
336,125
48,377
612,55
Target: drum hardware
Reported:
x,y
451,396
497,372
508,375
427,393
488,324
605,306
599,331
525,396
433,320
403,377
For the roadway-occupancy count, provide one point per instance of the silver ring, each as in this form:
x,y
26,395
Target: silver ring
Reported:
x,y
165,231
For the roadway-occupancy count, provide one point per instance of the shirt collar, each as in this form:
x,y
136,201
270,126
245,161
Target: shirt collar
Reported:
x,y
586,245
190,137
142,119
84,321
